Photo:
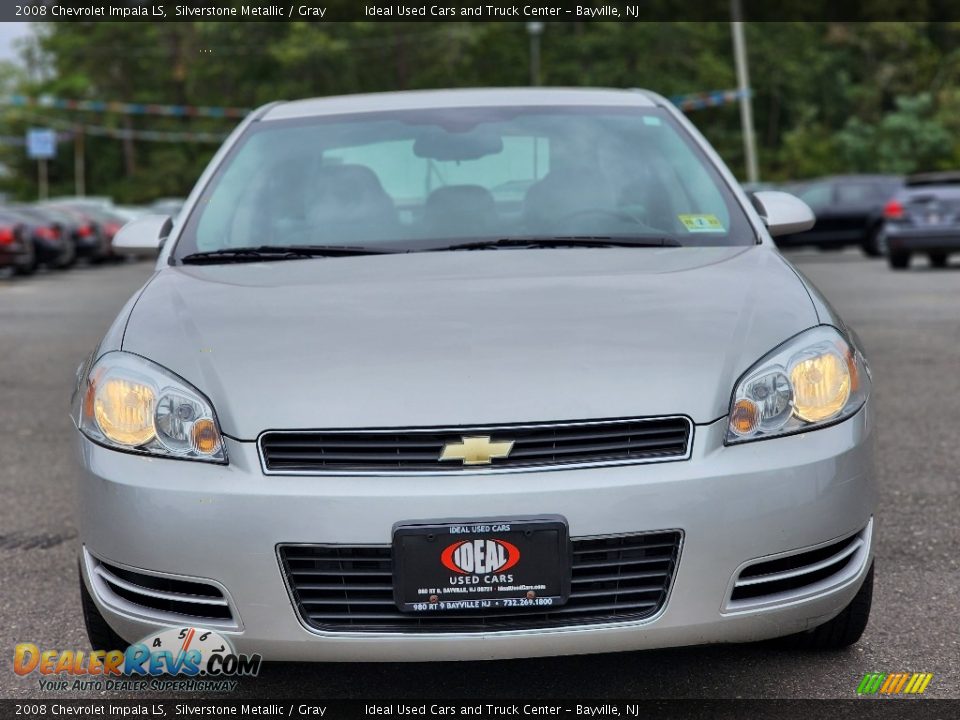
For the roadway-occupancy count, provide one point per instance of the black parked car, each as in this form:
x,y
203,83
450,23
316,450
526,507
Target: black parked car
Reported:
x,y
924,217
16,248
849,210
106,223
89,237
52,246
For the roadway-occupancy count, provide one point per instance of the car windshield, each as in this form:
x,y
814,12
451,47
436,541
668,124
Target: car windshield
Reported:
x,y
439,178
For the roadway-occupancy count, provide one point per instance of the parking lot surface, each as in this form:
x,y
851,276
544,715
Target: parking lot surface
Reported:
x,y
909,323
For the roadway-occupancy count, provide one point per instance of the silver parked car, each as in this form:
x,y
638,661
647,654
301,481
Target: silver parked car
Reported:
x,y
372,407
924,218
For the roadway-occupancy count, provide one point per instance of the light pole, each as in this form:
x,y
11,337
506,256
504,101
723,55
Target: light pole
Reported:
x,y
743,86
535,30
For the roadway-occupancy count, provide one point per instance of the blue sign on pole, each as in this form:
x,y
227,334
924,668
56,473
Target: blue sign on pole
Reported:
x,y
41,143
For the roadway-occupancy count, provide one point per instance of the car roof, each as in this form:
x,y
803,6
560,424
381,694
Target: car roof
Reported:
x,y
485,97
946,177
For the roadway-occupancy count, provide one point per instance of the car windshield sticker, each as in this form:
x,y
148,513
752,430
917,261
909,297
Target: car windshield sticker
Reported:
x,y
702,223
650,120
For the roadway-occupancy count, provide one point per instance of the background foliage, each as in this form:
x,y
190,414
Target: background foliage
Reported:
x,y
829,97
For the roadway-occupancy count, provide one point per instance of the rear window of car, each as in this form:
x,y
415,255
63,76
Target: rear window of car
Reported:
x,y
928,193
865,192
816,195
419,179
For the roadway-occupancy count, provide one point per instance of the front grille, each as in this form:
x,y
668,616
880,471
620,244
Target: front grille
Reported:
x,y
418,450
785,577
350,588
161,597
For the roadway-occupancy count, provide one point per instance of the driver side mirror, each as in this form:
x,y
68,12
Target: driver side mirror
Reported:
x,y
144,236
783,213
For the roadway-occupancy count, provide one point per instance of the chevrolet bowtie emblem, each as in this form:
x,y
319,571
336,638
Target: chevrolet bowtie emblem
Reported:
x,y
476,450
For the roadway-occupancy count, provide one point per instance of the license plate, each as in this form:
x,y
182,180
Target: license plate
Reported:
x,y
481,565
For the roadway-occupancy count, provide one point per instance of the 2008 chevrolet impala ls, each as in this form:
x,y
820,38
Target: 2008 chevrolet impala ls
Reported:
x,y
474,374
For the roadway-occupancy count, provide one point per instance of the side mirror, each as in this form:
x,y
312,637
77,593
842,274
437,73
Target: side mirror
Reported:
x,y
144,236
783,213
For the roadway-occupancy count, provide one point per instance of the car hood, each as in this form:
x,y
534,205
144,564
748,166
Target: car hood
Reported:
x,y
472,337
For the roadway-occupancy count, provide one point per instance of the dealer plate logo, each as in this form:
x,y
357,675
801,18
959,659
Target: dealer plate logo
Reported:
x,y
480,556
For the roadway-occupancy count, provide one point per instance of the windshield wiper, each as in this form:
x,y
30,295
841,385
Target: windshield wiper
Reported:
x,y
592,241
265,253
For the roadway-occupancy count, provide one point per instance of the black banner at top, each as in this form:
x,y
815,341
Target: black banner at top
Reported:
x,y
531,11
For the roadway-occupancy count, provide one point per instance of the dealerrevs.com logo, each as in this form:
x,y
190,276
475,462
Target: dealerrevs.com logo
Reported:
x,y
480,556
185,659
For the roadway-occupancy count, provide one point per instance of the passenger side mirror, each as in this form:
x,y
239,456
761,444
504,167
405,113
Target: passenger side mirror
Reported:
x,y
783,213
144,236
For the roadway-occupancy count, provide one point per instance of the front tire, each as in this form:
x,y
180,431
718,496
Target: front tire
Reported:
x,y
841,632
29,265
68,258
100,634
873,244
938,259
899,260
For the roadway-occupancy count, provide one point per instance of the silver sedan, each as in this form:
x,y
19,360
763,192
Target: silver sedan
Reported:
x,y
474,374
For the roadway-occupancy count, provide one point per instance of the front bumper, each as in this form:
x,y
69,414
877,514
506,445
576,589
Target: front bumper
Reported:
x,y
14,255
733,504
92,246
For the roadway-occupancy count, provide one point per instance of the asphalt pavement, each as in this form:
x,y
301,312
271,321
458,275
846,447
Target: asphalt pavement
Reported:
x,y
909,323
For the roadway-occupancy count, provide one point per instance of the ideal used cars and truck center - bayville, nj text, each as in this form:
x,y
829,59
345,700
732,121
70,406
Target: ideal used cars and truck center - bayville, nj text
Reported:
x,y
160,11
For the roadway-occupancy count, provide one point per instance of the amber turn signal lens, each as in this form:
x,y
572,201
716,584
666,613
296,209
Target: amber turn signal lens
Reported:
x,y
852,369
745,417
205,437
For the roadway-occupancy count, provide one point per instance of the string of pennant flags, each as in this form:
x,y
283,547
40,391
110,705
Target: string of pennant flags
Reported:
x,y
691,101
716,98
123,108
68,130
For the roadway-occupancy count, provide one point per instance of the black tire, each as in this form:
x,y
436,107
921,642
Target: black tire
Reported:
x,y
68,259
841,632
899,260
100,634
938,259
29,266
872,247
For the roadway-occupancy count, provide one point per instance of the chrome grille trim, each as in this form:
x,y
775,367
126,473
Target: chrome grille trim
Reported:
x,y
348,589
683,424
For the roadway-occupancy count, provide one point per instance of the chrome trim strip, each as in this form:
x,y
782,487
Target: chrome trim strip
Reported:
x,y
104,594
468,429
172,597
835,582
805,570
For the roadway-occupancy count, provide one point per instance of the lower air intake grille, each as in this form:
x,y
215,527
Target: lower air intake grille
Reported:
x,y
516,447
785,577
350,588
161,597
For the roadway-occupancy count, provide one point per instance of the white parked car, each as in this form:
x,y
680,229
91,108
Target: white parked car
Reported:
x,y
371,406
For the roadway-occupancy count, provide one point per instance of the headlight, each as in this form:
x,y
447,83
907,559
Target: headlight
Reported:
x,y
130,403
816,379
